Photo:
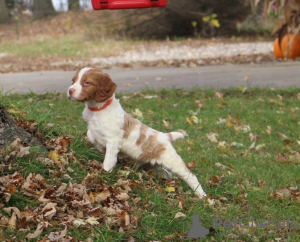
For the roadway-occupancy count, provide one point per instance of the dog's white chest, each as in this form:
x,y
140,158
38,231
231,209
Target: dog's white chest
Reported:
x,y
104,125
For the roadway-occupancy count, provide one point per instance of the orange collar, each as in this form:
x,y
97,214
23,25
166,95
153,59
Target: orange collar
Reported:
x,y
103,107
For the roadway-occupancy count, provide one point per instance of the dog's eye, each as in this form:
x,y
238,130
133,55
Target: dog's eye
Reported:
x,y
73,80
86,83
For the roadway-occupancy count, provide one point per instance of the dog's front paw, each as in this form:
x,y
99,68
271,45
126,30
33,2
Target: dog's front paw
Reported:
x,y
201,195
108,166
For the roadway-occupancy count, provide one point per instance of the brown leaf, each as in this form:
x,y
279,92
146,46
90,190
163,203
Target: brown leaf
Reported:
x,y
92,221
102,196
192,164
11,188
253,137
41,226
199,103
180,215
125,217
16,145
277,195
212,137
49,210
283,192
123,196
189,120
23,151
219,95
33,185
14,210
33,127
131,239
56,236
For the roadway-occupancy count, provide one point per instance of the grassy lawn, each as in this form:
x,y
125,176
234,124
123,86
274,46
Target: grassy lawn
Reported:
x,y
243,145
70,46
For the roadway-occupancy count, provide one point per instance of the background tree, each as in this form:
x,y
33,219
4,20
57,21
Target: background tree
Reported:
x,y
74,5
183,18
42,8
4,15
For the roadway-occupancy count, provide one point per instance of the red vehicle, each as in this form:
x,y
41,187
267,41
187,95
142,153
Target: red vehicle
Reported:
x,y
125,4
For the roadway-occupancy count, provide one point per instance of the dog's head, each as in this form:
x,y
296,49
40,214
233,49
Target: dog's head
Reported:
x,y
91,84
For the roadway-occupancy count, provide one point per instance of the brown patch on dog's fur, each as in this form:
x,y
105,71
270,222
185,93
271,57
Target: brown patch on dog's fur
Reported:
x,y
75,78
130,123
100,89
151,149
170,137
143,131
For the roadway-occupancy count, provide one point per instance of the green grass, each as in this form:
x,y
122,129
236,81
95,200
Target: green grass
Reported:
x,y
70,46
256,174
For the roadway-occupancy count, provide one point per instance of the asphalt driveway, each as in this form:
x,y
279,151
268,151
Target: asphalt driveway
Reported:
x,y
279,75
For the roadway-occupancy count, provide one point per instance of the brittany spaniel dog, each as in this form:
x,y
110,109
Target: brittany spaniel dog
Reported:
x,y
113,131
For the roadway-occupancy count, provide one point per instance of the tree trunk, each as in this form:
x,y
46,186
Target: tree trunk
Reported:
x,y
4,16
74,5
42,8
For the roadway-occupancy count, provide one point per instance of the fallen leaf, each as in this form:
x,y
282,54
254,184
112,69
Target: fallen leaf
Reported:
x,y
219,95
192,164
41,226
235,144
13,111
222,145
125,217
170,189
92,221
16,145
102,196
180,215
55,157
283,136
138,113
219,165
221,121
49,210
166,124
23,151
253,137
56,236
212,137
195,119
150,97
50,125
189,120
79,222
199,103
123,196
243,128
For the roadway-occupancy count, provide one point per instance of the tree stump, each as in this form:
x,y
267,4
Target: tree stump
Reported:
x,y
10,131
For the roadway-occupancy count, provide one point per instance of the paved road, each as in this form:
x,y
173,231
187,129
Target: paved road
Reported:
x,y
272,75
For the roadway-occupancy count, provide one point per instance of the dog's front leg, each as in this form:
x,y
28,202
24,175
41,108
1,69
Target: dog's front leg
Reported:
x,y
111,155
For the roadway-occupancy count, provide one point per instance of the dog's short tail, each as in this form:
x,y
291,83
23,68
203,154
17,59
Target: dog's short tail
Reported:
x,y
176,135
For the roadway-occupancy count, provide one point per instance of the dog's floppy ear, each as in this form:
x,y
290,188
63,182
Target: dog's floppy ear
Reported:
x,y
105,87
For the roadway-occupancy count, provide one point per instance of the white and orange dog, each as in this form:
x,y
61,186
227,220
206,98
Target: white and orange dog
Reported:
x,y
114,131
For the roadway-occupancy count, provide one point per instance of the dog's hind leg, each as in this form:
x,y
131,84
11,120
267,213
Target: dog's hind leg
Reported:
x,y
173,162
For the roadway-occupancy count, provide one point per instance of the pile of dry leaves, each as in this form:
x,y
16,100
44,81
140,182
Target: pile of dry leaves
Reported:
x,y
68,205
